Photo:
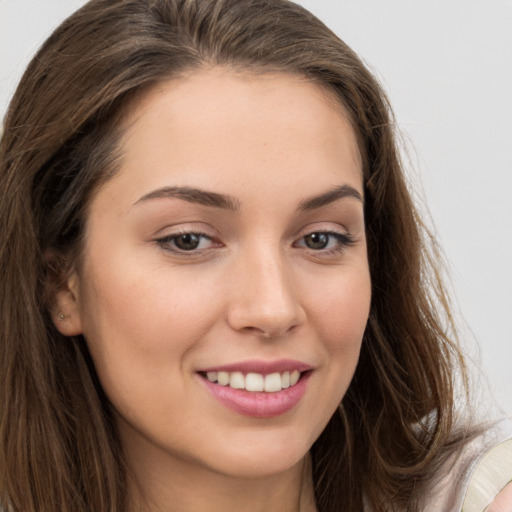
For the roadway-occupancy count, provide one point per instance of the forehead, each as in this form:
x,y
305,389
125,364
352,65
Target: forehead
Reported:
x,y
239,130
206,95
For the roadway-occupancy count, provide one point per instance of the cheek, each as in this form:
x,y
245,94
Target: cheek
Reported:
x,y
140,321
144,303
341,312
141,330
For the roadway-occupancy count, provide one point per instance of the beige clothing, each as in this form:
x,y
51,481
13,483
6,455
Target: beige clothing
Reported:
x,y
478,474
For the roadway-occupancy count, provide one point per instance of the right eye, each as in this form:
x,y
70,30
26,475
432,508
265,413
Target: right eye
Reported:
x,y
188,242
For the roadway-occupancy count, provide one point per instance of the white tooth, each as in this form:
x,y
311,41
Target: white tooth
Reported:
x,y
285,380
273,382
294,377
254,382
236,380
223,378
211,376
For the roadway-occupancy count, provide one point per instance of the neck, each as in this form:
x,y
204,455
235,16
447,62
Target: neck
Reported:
x,y
188,488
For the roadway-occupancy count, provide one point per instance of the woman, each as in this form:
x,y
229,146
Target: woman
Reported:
x,y
184,330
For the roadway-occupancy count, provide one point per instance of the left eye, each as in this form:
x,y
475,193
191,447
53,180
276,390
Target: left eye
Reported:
x,y
322,240
186,242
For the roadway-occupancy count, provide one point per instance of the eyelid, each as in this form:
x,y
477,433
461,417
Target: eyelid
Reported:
x,y
343,237
181,228
333,228
165,241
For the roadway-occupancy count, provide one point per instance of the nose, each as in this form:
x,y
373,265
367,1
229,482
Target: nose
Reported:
x,y
264,298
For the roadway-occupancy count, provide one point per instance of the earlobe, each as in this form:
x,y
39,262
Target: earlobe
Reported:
x,y
66,311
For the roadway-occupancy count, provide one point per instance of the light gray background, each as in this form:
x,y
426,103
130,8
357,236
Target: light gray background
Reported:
x,y
447,67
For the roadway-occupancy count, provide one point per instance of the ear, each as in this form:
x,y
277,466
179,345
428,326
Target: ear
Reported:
x,y
67,315
63,293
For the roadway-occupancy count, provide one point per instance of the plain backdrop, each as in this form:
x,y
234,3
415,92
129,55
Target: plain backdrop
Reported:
x,y
447,68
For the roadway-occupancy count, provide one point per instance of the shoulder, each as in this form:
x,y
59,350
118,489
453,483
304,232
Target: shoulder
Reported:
x,y
473,478
493,471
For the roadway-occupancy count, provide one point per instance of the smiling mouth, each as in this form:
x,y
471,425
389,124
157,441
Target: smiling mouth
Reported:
x,y
259,389
255,382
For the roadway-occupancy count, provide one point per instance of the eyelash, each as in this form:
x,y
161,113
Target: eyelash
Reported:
x,y
344,241
168,243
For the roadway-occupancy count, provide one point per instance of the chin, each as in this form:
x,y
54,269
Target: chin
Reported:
x,y
263,458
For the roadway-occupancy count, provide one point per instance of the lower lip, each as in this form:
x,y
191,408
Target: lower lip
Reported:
x,y
259,404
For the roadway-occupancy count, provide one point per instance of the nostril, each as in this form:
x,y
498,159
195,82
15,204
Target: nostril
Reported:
x,y
268,333
265,322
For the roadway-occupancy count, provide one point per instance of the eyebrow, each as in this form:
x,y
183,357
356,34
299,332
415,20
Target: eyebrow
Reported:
x,y
226,202
329,197
194,195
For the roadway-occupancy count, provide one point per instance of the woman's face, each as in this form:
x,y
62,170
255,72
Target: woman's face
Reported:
x,y
229,251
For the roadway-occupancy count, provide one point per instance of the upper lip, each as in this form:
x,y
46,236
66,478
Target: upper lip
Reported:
x,y
260,366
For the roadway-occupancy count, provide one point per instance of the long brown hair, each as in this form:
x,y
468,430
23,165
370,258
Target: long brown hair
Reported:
x,y
58,447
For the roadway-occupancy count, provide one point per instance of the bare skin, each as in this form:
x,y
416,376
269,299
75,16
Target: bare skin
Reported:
x,y
174,283
502,502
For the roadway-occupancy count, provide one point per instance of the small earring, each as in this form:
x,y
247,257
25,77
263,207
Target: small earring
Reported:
x,y
62,316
